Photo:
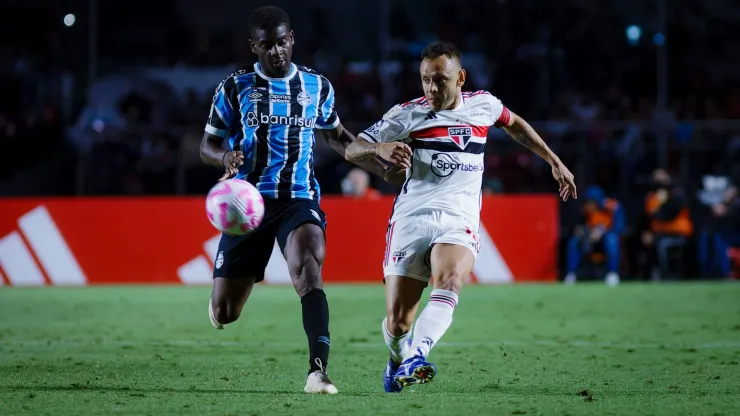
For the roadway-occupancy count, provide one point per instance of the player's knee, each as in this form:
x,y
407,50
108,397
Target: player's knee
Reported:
x,y
225,312
306,275
451,280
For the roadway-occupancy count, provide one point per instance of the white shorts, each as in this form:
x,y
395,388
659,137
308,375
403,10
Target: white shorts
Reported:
x,y
409,242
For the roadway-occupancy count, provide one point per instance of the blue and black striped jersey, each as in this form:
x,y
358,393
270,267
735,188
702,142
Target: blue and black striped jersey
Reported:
x,y
272,120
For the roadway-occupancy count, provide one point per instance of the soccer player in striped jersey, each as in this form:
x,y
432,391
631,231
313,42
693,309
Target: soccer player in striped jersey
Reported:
x,y
433,230
268,116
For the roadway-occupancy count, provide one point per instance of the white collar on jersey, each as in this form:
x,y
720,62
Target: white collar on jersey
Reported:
x,y
291,73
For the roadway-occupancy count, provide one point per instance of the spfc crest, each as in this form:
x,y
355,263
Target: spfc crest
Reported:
x,y
398,256
460,135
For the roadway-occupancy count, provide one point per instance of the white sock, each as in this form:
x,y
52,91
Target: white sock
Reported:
x,y
397,344
433,322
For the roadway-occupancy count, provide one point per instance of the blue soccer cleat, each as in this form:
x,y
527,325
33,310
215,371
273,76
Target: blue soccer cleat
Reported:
x,y
389,380
415,370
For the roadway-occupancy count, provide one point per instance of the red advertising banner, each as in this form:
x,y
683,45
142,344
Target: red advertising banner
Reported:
x,y
81,241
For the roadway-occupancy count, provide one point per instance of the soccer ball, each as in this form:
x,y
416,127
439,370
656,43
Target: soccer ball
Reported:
x,y
235,207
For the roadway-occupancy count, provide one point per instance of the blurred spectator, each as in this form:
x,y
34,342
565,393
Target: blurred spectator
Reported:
x,y
599,234
357,185
711,197
669,224
726,221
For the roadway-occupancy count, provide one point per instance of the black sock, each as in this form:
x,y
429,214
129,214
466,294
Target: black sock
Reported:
x,y
316,324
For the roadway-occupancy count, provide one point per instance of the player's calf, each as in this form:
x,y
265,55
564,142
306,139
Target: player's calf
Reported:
x,y
304,253
451,264
402,301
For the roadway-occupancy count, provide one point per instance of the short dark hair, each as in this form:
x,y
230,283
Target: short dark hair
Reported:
x,y
267,18
438,48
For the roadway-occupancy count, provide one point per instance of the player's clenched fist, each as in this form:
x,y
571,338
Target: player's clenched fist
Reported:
x,y
232,161
397,153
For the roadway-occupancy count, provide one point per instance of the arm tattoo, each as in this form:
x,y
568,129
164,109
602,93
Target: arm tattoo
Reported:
x,y
360,151
352,149
525,135
521,136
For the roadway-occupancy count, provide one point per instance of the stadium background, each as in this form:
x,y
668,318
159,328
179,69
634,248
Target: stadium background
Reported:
x,y
108,99
102,108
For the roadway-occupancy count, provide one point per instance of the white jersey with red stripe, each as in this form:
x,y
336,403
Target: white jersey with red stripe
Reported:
x,y
446,171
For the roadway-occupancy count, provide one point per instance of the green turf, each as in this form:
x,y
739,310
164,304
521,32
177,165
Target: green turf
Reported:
x,y
535,350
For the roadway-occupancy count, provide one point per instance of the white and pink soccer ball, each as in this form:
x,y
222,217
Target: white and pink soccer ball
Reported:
x,y
235,207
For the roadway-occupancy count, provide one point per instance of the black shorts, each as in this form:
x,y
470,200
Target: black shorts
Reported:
x,y
246,256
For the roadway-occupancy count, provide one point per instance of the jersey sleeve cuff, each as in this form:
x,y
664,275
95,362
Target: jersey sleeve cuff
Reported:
x,y
367,137
504,119
328,126
214,131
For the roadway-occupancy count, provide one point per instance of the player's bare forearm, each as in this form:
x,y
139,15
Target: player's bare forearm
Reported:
x,y
525,135
341,140
361,150
211,152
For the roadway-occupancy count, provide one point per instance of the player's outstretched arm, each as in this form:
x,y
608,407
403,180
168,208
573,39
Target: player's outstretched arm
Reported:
x,y
339,138
522,132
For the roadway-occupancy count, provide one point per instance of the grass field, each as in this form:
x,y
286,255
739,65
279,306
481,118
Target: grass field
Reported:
x,y
525,350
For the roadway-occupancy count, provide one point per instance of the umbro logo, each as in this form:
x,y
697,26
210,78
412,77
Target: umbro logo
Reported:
x,y
220,259
254,96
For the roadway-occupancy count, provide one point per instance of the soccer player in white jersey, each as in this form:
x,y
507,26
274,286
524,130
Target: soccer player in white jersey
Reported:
x,y
433,230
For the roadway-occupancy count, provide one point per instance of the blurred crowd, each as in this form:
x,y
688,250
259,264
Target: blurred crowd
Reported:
x,y
678,233
669,171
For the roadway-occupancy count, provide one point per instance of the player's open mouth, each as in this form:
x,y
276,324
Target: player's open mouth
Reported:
x,y
279,62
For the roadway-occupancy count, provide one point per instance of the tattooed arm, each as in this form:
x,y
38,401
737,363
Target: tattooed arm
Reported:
x,y
340,139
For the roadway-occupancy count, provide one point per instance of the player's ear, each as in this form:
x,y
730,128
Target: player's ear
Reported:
x,y
461,77
251,46
292,38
